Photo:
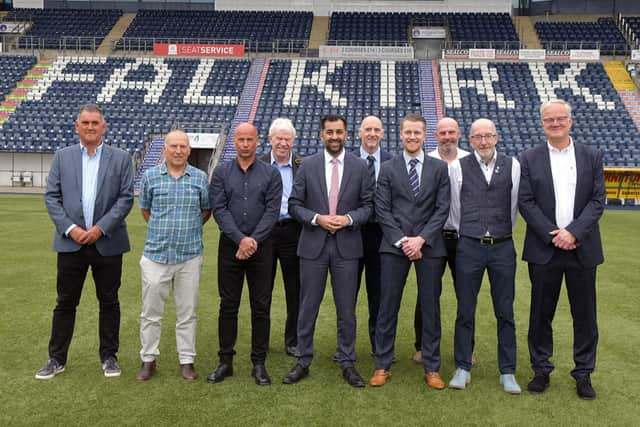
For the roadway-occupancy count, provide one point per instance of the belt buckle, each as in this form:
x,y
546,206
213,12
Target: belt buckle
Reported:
x,y
487,241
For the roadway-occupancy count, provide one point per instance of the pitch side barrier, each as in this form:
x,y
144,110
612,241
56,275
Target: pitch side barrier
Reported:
x,y
522,54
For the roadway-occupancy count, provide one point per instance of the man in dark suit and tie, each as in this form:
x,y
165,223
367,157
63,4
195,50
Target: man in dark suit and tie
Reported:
x,y
331,198
371,133
89,194
412,205
286,232
562,195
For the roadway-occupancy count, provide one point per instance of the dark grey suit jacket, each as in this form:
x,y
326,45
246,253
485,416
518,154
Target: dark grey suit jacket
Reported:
x,y
401,214
309,197
114,198
536,200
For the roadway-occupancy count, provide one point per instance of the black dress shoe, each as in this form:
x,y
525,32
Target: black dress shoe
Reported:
x,y
259,373
223,371
538,384
352,377
585,389
296,374
290,350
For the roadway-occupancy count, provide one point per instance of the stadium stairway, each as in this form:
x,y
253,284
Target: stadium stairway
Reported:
x,y
430,100
19,93
527,32
619,76
631,100
151,158
245,104
256,100
116,32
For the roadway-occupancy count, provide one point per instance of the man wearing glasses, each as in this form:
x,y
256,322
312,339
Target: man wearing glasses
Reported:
x,y
562,194
484,186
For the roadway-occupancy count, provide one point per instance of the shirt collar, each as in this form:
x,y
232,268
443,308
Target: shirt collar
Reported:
x,y
567,149
275,163
83,149
328,157
482,163
164,170
375,154
407,157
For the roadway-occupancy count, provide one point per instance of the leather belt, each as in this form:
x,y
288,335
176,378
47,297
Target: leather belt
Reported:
x,y
450,234
493,240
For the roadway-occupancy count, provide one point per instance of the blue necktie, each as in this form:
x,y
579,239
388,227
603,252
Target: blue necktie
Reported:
x,y
413,177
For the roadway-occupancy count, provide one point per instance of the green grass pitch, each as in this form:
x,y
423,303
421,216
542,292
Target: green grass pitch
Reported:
x,y
82,396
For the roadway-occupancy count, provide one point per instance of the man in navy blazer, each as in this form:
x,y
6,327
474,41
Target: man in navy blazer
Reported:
x,y
562,195
89,194
331,198
412,205
371,133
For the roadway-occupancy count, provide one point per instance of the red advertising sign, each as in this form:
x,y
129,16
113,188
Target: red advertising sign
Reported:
x,y
167,49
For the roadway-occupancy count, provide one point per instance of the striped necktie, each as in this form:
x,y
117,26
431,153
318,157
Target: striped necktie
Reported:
x,y
413,177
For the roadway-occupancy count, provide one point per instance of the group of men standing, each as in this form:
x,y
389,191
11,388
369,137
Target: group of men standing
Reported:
x,y
341,213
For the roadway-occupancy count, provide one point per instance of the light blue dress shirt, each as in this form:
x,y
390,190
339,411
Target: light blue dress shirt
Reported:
x,y
286,172
376,163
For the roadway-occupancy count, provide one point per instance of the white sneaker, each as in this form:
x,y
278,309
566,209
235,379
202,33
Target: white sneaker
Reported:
x,y
510,384
111,368
460,379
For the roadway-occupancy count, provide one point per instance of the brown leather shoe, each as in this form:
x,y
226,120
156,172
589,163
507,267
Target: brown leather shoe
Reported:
x,y
146,371
188,371
379,378
434,381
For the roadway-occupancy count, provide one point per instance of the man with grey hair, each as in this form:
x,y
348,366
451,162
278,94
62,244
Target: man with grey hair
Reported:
x,y
484,189
286,232
174,200
89,194
562,195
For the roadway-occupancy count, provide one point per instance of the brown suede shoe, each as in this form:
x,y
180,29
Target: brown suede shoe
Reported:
x,y
146,371
379,378
433,380
188,372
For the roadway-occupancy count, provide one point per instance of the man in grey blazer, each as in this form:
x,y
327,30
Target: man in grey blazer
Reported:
x,y
89,194
412,205
331,198
562,195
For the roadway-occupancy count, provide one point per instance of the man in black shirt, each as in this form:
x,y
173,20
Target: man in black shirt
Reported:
x,y
245,199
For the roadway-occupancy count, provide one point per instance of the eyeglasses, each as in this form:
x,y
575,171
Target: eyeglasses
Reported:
x,y
486,136
551,120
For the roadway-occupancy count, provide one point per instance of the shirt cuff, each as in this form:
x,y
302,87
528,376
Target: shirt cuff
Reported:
x,y
398,244
313,220
350,219
68,230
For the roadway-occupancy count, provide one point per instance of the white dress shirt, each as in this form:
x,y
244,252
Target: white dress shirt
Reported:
x,y
455,175
328,170
563,170
453,220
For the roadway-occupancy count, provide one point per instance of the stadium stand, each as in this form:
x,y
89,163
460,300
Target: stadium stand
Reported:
x,y
603,35
305,90
140,97
468,29
60,28
261,31
511,93
634,25
13,69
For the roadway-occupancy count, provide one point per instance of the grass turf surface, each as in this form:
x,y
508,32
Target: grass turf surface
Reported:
x,y
82,396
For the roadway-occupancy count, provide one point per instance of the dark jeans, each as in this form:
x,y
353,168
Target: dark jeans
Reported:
x,y
231,273
499,260
72,271
284,238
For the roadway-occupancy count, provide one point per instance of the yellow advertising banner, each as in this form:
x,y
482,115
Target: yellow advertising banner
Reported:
x,y
622,183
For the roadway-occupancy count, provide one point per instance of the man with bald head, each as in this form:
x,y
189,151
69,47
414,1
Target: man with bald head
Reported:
x,y
245,196
484,189
174,200
371,133
447,135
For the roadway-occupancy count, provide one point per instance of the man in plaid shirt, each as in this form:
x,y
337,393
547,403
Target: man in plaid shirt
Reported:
x,y
174,200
